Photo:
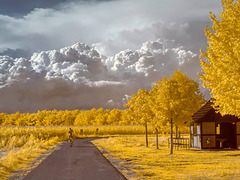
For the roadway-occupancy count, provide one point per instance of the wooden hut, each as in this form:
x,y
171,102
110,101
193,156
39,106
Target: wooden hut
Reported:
x,y
210,130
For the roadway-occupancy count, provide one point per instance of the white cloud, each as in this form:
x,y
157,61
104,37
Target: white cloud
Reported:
x,y
153,60
116,65
77,76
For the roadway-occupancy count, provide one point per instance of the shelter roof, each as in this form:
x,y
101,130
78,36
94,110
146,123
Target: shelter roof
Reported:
x,y
203,110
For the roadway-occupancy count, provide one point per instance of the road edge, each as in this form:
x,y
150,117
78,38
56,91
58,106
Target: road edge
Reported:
x,y
109,160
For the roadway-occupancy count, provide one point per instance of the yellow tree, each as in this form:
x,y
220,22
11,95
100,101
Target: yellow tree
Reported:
x,y
221,61
127,117
67,117
12,119
177,99
114,117
84,118
3,117
40,118
101,116
32,119
141,111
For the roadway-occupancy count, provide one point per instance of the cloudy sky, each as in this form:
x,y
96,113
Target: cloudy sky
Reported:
x,y
95,53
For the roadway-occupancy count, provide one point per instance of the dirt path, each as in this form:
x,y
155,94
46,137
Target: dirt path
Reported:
x,y
83,161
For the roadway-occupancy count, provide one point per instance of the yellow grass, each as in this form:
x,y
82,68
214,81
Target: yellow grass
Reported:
x,y
138,162
22,145
21,150
20,158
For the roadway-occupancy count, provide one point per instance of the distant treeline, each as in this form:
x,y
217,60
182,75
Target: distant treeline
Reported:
x,y
67,117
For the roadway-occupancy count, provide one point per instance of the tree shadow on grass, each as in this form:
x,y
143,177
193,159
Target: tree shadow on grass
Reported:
x,y
233,155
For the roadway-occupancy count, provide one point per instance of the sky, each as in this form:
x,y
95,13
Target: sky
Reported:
x,y
84,54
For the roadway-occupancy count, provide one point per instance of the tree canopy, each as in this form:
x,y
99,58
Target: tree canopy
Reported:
x,y
140,109
177,97
221,61
139,106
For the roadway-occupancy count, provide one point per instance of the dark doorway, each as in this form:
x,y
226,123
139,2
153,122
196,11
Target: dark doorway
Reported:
x,y
227,135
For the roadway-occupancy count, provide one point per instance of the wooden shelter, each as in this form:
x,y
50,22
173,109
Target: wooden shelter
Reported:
x,y
210,130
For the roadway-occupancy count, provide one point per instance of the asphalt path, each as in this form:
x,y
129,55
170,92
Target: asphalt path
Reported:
x,y
82,161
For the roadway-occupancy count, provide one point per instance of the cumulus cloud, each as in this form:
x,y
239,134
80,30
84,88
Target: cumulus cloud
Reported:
x,y
79,77
122,54
73,77
153,60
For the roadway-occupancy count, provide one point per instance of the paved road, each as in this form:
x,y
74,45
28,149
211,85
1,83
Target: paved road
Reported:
x,y
83,161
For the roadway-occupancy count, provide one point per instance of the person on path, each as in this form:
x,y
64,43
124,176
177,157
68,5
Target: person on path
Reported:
x,y
70,136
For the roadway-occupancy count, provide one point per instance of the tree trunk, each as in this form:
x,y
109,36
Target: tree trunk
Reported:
x,y
156,131
176,133
146,134
171,132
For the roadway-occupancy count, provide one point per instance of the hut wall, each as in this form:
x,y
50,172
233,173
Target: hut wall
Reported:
x,y
215,131
208,135
195,136
238,134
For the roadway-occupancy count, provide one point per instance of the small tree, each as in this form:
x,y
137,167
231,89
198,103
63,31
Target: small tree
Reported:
x,y
177,99
156,120
140,109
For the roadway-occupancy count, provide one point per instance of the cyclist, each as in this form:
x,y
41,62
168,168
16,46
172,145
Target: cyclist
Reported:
x,y
70,136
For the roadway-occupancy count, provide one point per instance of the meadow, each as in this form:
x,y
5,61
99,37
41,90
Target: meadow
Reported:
x,y
136,161
21,146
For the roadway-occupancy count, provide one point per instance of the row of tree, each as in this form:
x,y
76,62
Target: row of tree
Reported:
x,y
176,97
67,117
171,101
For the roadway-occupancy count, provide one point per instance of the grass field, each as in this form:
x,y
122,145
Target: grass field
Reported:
x,y
125,147
136,161
20,146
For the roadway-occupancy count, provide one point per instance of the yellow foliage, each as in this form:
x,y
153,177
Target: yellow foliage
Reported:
x,y
177,97
221,62
75,117
139,107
